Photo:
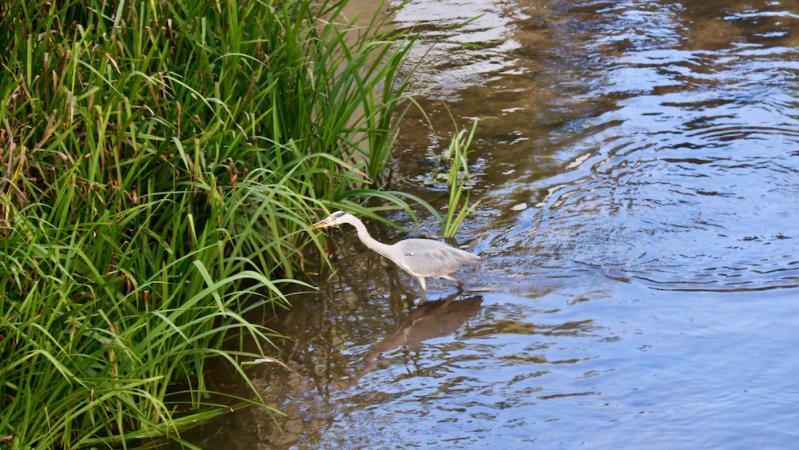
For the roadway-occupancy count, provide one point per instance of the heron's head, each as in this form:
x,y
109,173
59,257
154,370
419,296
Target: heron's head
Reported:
x,y
333,220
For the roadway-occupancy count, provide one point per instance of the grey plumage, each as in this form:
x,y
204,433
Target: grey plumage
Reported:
x,y
429,258
421,258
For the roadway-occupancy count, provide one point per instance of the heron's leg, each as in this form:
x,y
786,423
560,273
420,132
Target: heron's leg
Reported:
x,y
424,289
451,278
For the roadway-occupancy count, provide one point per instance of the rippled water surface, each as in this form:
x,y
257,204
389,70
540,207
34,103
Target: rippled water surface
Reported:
x,y
638,170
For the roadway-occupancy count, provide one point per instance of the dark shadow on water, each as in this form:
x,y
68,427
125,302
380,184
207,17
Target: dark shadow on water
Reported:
x,y
429,320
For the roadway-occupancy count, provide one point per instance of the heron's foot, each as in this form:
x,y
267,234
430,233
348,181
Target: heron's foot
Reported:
x,y
455,280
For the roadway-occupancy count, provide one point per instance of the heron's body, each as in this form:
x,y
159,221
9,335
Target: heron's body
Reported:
x,y
426,258
421,258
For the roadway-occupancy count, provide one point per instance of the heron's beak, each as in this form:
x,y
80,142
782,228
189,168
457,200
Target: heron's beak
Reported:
x,y
323,224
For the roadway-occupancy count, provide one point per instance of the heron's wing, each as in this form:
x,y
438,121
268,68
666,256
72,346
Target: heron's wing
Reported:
x,y
428,258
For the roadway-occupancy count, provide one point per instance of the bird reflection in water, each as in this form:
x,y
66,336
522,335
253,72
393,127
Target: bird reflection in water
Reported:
x,y
429,320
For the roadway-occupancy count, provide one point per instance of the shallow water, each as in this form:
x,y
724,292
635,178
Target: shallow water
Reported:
x,y
638,171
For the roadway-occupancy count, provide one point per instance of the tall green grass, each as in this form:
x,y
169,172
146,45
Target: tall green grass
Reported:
x,y
458,205
159,161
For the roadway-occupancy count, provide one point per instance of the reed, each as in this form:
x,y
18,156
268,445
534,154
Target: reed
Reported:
x,y
159,161
458,205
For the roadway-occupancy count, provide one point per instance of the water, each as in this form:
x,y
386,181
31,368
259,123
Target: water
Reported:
x,y
638,171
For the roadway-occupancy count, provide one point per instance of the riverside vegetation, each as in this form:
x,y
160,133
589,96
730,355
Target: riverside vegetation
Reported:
x,y
458,177
159,161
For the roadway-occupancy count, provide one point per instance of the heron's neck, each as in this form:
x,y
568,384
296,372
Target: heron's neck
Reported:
x,y
369,241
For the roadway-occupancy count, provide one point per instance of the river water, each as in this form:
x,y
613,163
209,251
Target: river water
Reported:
x,y
637,164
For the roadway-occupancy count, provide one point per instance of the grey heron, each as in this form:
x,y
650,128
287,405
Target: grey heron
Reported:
x,y
421,258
